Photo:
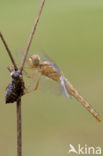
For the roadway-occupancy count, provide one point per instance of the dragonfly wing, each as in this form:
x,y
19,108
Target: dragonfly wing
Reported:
x,y
19,56
51,62
62,79
50,86
46,85
65,90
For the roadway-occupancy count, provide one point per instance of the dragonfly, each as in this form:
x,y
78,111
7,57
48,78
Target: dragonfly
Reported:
x,y
49,69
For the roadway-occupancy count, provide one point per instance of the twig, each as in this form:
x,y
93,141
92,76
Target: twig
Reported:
x,y
19,130
18,103
9,52
31,35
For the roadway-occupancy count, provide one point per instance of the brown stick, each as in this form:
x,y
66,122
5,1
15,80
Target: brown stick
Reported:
x,y
9,52
19,130
31,35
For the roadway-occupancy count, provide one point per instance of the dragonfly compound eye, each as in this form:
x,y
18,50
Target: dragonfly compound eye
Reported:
x,y
34,60
36,63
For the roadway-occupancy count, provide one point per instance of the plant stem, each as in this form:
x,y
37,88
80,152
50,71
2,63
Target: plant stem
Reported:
x,y
8,50
19,130
32,34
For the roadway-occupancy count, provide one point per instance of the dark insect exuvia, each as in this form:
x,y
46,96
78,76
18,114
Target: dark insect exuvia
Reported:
x,y
16,89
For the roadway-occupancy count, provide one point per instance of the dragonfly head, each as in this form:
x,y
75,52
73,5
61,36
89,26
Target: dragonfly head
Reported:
x,y
34,61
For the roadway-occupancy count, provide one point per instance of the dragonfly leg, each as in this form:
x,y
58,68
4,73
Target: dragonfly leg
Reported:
x,y
36,87
37,84
29,76
29,67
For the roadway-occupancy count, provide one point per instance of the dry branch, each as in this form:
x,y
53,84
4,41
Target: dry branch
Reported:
x,y
31,35
19,130
8,50
18,103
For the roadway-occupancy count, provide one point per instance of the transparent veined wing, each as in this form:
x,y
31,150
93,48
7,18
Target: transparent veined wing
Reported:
x,y
51,62
46,85
63,86
50,86
62,83
19,57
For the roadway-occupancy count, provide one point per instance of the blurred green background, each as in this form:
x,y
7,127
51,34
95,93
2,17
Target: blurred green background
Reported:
x,y
71,32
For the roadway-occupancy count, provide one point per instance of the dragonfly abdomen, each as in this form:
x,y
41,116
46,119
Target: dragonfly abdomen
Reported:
x,y
72,91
